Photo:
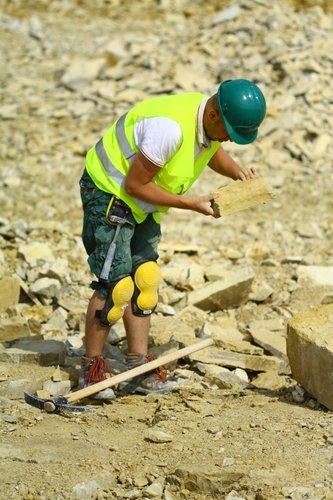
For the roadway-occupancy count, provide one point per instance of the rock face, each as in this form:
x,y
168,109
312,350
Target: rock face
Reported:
x,y
310,351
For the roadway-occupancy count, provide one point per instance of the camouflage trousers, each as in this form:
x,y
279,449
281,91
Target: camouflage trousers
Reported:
x,y
135,243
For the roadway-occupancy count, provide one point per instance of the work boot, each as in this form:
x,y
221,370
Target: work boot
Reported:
x,y
153,382
95,370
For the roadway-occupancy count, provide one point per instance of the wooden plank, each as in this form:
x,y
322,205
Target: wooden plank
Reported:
x,y
241,195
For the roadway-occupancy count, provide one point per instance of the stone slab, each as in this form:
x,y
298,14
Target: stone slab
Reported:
x,y
310,351
231,291
42,352
9,292
229,359
241,195
14,328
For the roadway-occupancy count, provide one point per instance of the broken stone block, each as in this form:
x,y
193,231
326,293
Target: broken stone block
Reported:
x,y
210,481
82,71
272,342
43,394
314,285
9,292
221,377
42,352
310,351
164,329
46,287
241,195
14,328
32,252
14,389
233,340
231,291
229,359
57,388
271,381
260,292
192,316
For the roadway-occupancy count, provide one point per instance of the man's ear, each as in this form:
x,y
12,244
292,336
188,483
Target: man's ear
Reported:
x,y
213,115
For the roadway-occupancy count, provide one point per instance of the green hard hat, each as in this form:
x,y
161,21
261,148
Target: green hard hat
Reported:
x,y
242,106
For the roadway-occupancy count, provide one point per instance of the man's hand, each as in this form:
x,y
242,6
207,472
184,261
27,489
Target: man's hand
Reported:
x,y
203,204
225,165
247,173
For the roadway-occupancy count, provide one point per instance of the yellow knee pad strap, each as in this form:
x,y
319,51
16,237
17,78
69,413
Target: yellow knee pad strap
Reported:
x,y
147,278
119,298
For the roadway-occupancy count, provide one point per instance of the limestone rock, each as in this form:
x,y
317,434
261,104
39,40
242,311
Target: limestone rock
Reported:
x,y
14,328
164,329
9,292
241,195
310,351
314,285
82,71
230,338
57,388
14,389
273,343
229,359
221,377
46,287
231,291
212,481
42,352
34,251
158,436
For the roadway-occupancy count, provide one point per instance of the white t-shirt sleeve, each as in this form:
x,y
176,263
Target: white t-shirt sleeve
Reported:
x,y
158,138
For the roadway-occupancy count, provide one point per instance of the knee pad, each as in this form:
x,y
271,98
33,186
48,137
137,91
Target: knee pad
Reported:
x,y
147,277
120,294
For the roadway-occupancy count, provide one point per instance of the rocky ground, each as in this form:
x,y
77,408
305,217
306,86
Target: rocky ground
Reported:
x,y
238,427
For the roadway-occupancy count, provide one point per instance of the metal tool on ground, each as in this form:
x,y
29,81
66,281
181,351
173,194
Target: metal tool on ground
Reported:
x,y
54,405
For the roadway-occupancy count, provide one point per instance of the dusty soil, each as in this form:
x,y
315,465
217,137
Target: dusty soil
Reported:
x,y
270,446
252,444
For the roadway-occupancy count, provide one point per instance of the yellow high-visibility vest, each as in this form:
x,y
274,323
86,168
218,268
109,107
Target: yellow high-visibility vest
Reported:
x,y
109,161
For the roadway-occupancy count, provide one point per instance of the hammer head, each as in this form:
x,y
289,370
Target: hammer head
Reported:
x,y
54,405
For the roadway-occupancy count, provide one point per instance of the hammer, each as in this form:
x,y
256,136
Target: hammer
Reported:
x,y
54,405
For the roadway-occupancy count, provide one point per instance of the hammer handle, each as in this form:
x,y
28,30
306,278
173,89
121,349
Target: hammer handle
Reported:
x,y
139,370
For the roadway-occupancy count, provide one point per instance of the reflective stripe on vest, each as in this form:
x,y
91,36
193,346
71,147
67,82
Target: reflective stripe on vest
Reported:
x,y
129,154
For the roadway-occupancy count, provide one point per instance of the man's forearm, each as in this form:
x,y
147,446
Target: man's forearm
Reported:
x,y
225,165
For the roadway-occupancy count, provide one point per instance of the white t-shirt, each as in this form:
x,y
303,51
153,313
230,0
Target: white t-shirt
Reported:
x,y
157,138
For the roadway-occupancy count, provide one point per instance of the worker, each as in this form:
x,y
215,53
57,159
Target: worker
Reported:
x,y
143,165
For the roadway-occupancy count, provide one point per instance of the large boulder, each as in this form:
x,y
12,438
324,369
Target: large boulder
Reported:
x,y
310,351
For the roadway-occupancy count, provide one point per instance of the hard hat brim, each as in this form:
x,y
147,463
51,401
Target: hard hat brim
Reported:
x,y
242,139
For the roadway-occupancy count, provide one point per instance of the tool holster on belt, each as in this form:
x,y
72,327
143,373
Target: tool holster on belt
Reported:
x,y
118,214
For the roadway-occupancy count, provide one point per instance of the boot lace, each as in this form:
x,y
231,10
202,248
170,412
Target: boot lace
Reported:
x,y
159,373
98,371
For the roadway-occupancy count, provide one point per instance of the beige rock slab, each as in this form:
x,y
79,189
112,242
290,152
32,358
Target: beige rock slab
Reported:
x,y
229,359
210,481
310,351
241,195
272,342
9,292
42,352
13,329
231,291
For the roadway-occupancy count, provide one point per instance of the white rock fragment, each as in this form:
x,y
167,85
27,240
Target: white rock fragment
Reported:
x,y
157,436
